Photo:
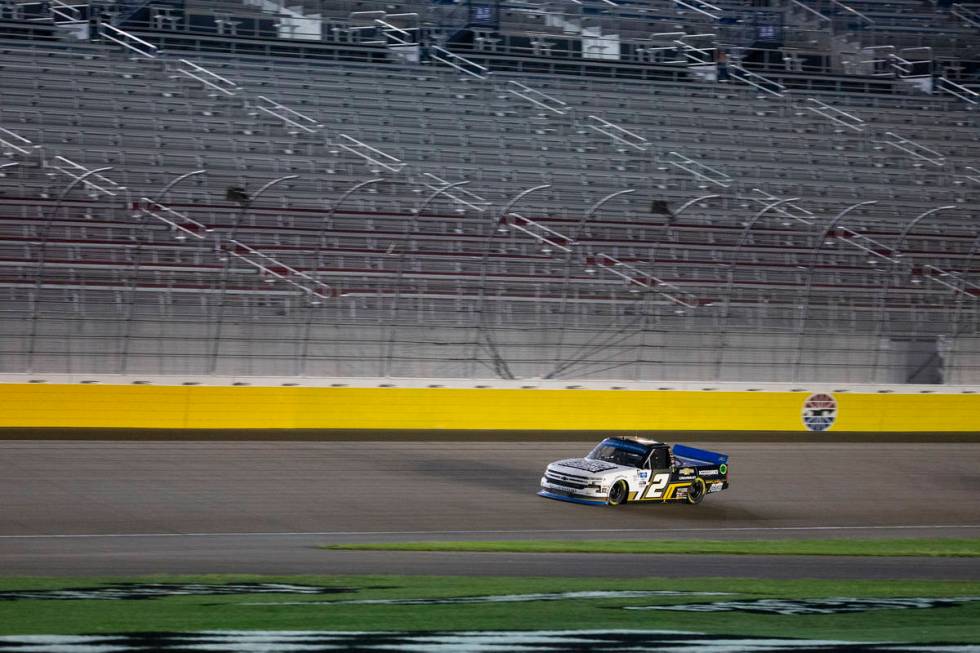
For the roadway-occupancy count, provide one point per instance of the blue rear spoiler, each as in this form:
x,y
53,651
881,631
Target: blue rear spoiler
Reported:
x,y
700,454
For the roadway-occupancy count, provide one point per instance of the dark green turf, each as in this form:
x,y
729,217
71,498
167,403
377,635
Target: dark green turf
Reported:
x,y
190,613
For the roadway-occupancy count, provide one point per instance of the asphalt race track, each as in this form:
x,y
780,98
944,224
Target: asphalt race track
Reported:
x,y
123,507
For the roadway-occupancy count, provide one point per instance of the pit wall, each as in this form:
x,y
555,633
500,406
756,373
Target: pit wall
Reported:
x,y
212,403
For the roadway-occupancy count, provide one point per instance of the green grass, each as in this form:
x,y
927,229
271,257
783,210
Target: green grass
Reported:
x,y
906,547
191,613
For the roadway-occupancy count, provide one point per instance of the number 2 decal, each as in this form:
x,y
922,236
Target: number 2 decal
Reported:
x,y
656,488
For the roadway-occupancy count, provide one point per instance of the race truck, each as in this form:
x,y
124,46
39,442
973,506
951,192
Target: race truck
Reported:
x,y
626,469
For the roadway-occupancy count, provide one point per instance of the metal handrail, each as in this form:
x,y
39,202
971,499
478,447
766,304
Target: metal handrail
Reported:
x,y
482,203
853,11
960,91
812,11
546,102
449,58
117,20
749,77
618,134
963,12
207,77
831,113
287,115
16,142
371,154
699,10
68,13
695,168
80,173
915,149
122,37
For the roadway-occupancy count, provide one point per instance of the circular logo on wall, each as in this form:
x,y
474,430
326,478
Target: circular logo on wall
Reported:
x,y
819,412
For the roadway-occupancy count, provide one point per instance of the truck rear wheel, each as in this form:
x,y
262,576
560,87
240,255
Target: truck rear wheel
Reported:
x,y
695,494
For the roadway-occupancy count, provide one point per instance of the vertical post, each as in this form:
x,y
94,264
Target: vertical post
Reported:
x,y
595,207
805,308
683,207
396,295
883,295
499,363
730,286
955,329
42,255
436,194
166,189
325,224
565,290
130,309
219,323
350,191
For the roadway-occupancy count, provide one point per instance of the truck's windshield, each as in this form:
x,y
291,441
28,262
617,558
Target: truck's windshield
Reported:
x,y
620,452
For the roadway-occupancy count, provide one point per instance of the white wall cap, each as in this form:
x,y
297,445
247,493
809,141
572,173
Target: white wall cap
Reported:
x,y
499,384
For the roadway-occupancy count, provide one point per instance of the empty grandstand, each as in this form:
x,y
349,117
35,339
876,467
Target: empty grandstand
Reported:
x,y
782,190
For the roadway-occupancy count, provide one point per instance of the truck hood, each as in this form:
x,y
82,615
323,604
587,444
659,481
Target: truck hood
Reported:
x,y
595,468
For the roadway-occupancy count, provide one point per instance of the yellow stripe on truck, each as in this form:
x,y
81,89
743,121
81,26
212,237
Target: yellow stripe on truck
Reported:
x,y
209,407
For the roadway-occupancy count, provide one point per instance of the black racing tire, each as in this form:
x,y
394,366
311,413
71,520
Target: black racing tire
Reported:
x,y
618,493
696,492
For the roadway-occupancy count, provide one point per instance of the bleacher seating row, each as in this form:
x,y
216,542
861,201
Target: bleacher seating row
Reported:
x,y
534,194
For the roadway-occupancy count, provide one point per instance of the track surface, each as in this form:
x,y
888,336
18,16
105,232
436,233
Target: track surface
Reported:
x,y
88,508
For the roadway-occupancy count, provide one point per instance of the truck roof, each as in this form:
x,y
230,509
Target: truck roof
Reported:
x,y
637,439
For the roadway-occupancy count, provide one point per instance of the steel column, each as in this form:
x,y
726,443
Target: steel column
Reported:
x,y
805,308
730,285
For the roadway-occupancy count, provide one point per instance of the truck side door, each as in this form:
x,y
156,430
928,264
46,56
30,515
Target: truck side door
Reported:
x,y
660,473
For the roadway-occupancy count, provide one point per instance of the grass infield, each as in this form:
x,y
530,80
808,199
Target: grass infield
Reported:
x,y
251,611
851,547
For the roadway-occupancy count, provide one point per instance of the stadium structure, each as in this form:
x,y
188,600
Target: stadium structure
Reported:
x,y
780,190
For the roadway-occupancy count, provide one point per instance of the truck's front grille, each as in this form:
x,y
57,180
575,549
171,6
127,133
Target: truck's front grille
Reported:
x,y
565,482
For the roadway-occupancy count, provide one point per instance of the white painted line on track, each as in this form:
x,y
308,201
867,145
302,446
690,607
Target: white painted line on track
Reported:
x,y
736,529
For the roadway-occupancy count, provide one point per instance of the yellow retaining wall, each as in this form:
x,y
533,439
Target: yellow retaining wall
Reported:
x,y
204,407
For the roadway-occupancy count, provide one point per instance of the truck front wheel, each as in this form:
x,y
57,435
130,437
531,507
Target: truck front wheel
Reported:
x,y
618,493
